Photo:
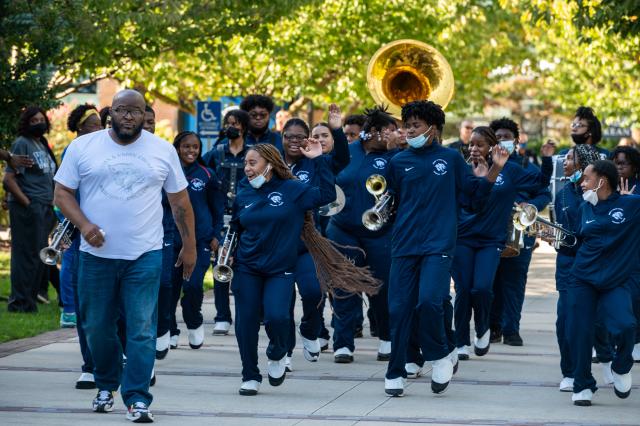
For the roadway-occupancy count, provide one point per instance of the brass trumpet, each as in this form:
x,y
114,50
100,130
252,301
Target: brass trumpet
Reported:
x,y
528,217
222,271
374,218
523,217
60,239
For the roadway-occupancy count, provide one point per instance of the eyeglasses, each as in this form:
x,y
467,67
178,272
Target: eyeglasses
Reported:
x,y
578,125
134,112
258,115
295,138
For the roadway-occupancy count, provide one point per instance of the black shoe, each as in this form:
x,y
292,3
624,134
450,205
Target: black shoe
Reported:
x,y
162,354
512,339
373,331
496,336
383,357
595,360
103,402
358,333
438,387
481,351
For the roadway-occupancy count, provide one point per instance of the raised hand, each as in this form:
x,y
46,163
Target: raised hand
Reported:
x,y
624,187
311,148
499,156
335,117
480,167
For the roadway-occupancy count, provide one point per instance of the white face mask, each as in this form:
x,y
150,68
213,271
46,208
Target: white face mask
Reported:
x,y
508,145
591,195
259,180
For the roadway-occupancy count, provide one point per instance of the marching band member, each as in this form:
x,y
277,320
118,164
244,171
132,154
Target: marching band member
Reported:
x,y
481,238
425,181
207,201
365,247
270,215
511,276
627,161
567,206
227,160
294,133
586,129
602,278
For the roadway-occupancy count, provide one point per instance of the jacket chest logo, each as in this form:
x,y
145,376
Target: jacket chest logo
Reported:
x,y
197,184
440,167
379,163
275,199
303,176
499,180
617,216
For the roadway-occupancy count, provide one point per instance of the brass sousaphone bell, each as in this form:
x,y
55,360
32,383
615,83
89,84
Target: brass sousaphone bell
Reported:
x,y
409,70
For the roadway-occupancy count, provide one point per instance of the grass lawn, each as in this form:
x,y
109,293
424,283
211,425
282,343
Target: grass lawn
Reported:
x,y
17,326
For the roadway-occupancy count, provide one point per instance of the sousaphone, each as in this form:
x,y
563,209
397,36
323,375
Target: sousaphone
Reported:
x,y
409,70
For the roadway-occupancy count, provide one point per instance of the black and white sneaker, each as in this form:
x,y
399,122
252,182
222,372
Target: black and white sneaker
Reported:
x,y
138,412
103,402
86,381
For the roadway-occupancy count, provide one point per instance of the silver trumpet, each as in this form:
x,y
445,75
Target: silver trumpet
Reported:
x,y
222,271
60,239
548,230
374,218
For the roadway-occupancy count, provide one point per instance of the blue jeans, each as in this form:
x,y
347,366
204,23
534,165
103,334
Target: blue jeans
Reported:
x,y
104,285
68,274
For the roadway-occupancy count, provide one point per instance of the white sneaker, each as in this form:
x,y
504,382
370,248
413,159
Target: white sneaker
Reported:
x,y
324,344
582,398
310,348
173,342
162,345
441,374
607,374
86,381
413,370
343,356
384,350
622,384
481,345
463,353
394,387
566,385
277,371
221,328
196,337
249,388
287,364
636,352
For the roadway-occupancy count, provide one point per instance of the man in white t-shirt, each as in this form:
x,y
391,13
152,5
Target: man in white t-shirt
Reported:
x,y
120,173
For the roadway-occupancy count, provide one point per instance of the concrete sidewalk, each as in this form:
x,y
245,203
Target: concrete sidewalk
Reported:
x,y
509,386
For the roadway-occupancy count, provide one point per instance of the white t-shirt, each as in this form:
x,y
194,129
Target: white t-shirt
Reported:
x,y
120,189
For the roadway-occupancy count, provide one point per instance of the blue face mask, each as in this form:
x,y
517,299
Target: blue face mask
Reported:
x,y
419,141
508,145
259,180
575,177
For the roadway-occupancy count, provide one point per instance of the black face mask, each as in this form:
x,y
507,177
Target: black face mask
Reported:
x,y
38,130
232,133
580,139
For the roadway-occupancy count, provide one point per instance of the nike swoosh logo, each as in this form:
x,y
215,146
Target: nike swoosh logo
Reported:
x,y
406,169
288,273
565,208
167,244
589,221
248,205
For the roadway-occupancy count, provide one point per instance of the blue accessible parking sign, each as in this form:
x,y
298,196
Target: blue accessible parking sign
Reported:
x,y
208,118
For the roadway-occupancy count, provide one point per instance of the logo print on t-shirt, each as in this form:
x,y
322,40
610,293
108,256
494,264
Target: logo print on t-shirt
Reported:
x,y
44,162
440,167
303,176
197,184
499,180
128,176
380,163
275,199
617,216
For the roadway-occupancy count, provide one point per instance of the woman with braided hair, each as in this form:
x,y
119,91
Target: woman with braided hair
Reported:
x,y
269,216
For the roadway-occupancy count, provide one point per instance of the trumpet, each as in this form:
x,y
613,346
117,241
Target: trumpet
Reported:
x,y
374,218
222,271
556,235
60,239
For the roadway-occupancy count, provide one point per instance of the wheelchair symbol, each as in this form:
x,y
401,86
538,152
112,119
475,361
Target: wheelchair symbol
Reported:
x,y
207,114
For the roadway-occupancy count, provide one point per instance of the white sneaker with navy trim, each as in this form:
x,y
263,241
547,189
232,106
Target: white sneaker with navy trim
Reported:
x,y
138,412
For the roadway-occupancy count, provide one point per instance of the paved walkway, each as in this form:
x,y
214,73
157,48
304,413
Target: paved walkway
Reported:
x,y
510,386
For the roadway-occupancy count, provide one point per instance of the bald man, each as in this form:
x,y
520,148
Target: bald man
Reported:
x,y
119,173
462,144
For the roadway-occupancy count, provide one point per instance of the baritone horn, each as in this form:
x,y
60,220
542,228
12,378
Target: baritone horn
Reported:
x,y
60,239
222,271
409,70
374,218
